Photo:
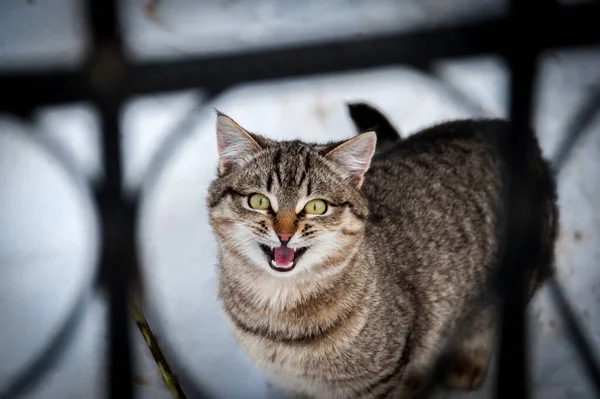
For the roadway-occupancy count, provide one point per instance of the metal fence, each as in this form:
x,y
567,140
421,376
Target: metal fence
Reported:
x,y
108,79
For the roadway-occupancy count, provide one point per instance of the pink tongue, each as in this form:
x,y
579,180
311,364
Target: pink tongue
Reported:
x,y
284,255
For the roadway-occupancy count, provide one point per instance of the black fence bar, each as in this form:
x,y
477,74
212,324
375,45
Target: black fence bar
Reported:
x,y
215,73
118,259
418,49
523,224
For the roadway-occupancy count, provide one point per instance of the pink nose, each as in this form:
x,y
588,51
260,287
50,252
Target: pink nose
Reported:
x,y
285,237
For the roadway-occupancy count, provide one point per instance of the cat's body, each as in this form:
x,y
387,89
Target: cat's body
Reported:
x,y
412,254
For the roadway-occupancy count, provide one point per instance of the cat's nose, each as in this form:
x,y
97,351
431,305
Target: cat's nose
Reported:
x,y
284,237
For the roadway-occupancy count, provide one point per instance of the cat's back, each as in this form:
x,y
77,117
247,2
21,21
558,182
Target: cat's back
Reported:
x,y
448,170
434,199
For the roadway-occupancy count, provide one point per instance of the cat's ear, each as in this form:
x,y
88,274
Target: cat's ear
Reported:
x,y
234,143
354,156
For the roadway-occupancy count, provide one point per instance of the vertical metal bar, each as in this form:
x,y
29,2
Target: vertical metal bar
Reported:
x,y
523,219
512,361
118,256
104,22
106,69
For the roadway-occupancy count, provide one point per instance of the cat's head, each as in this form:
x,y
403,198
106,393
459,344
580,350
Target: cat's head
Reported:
x,y
286,207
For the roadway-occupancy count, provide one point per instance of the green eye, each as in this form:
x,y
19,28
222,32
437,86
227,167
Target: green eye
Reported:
x,y
315,207
259,201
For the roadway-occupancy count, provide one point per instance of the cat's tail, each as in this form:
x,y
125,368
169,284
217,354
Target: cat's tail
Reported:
x,y
366,117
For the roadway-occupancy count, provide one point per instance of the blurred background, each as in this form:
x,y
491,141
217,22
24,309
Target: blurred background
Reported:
x,y
49,226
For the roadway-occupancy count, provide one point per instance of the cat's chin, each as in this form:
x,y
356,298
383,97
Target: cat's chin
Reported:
x,y
282,259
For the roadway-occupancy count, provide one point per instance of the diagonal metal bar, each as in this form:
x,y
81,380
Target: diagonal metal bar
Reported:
x,y
54,351
579,340
576,128
575,132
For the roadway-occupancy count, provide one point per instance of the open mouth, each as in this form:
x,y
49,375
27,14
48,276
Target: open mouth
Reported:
x,y
283,259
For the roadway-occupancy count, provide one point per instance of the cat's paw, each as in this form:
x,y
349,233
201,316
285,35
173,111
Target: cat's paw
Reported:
x,y
465,372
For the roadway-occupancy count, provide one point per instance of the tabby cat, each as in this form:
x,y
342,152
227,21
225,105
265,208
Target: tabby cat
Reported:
x,y
345,276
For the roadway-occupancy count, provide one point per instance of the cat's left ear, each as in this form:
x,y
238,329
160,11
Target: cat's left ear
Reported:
x,y
354,156
234,143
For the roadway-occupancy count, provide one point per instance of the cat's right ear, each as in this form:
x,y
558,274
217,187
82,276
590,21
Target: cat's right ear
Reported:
x,y
354,156
234,143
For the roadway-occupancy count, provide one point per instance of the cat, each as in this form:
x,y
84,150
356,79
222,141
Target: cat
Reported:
x,y
344,276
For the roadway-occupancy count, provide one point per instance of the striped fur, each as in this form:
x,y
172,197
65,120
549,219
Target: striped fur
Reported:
x,y
398,267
